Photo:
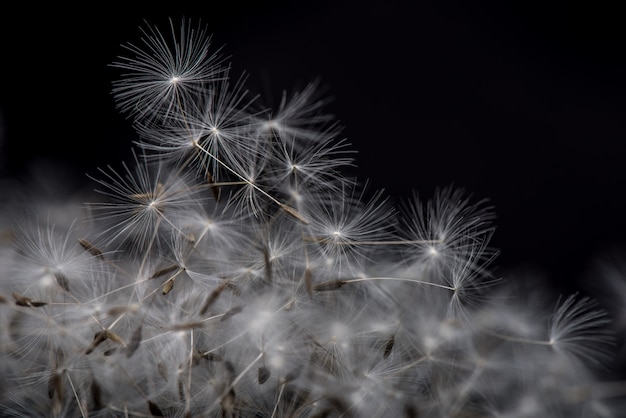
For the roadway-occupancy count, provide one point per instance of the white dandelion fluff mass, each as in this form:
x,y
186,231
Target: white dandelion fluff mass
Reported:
x,y
235,266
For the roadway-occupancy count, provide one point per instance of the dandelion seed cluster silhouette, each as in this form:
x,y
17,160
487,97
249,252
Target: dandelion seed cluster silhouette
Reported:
x,y
235,270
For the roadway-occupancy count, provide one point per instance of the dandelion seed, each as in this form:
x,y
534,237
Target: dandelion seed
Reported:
x,y
210,356
228,403
115,338
329,285
213,296
186,326
308,281
164,79
181,388
3,299
62,281
55,386
167,287
164,271
154,409
21,300
135,341
389,346
267,263
215,188
109,352
579,328
91,249
120,310
263,374
162,370
96,394
292,375
98,339
231,312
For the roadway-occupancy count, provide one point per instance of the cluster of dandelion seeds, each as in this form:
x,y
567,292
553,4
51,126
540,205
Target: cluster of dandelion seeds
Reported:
x,y
232,269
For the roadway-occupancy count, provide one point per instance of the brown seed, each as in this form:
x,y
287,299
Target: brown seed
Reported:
x,y
293,212
231,312
21,300
62,281
212,297
115,338
164,271
207,355
134,342
268,264
264,374
91,249
215,189
389,346
308,281
109,352
96,395
154,409
186,326
55,386
98,338
167,287
292,375
329,285
122,309
181,388
162,369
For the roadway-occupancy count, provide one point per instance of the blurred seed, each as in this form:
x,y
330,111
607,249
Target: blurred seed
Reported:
x,y
212,297
268,264
3,299
21,300
389,346
293,212
55,385
207,355
154,409
162,369
164,271
91,249
115,338
231,312
97,340
62,281
410,411
186,326
134,342
181,388
109,352
264,374
228,404
214,187
96,394
230,368
292,375
308,281
119,310
329,285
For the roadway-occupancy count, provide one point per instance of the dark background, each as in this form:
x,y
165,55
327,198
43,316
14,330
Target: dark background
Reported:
x,y
518,102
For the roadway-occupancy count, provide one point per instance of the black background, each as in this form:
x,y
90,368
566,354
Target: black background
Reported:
x,y
518,102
